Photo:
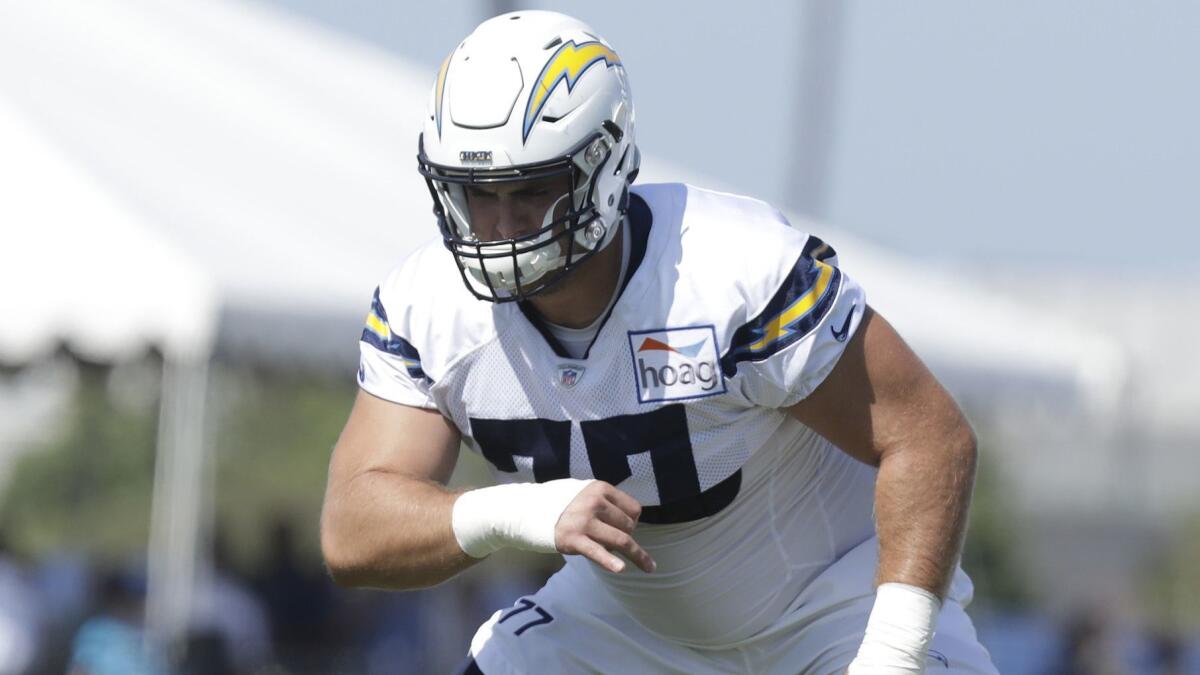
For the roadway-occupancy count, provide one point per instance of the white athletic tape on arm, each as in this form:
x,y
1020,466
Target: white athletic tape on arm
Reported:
x,y
898,632
520,515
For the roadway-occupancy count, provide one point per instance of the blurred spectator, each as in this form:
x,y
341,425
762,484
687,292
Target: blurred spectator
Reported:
x,y
299,601
1166,654
19,617
228,618
1087,648
403,630
63,582
111,642
208,654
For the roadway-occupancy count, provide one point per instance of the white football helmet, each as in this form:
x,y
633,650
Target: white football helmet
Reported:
x,y
530,95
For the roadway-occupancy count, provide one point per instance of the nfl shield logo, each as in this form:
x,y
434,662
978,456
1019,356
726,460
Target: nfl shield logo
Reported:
x,y
569,375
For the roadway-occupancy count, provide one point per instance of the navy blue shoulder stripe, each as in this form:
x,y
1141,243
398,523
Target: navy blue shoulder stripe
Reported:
x,y
378,333
806,296
817,249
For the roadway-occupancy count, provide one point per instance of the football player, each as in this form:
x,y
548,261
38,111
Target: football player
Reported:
x,y
746,468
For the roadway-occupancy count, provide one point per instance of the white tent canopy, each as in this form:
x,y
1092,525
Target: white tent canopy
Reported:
x,y
279,157
82,270
983,338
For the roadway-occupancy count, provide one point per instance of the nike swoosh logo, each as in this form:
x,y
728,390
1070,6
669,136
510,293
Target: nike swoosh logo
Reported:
x,y
840,334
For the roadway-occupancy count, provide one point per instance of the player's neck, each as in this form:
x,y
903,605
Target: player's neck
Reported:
x,y
584,294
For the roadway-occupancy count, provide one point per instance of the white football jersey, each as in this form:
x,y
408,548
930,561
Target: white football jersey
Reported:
x,y
726,315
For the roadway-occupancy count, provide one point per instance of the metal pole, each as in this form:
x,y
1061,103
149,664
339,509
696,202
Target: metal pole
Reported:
x,y
177,508
807,185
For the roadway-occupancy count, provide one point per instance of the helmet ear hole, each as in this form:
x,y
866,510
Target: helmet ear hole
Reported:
x,y
612,128
635,165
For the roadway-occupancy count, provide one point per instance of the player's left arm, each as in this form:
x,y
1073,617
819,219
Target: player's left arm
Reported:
x,y
881,405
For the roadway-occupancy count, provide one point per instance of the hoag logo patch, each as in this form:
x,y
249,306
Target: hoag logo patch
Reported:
x,y
670,364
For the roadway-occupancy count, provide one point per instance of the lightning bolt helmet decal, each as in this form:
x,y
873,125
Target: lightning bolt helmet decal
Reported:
x,y
569,62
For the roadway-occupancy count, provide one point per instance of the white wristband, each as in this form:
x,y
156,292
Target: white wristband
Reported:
x,y
898,632
520,515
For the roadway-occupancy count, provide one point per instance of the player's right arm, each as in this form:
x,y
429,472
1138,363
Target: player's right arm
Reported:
x,y
389,521
386,518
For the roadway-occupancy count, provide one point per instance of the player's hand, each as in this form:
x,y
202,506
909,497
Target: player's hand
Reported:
x,y
598,522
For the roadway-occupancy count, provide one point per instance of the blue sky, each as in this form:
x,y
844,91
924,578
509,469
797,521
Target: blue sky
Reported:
x,y
1003,135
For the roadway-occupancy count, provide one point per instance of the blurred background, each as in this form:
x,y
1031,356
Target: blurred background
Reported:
x,y
197,199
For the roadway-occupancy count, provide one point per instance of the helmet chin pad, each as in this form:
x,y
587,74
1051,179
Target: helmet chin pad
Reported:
x,y
508,272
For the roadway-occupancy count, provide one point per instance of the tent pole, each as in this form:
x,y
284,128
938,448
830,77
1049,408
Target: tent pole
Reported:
x,y
176,511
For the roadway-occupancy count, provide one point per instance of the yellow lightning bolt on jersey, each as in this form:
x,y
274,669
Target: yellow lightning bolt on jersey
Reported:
x,y
778,327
